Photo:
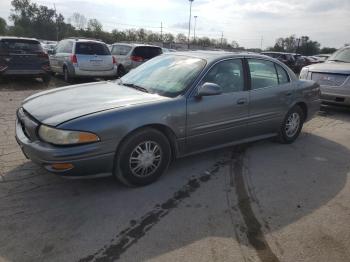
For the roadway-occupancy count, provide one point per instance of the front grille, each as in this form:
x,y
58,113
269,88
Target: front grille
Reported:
x,y
28,124
329,79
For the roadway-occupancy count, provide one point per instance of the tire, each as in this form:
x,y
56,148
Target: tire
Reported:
x,y
292,125
67,78
46,79
121,71
134,165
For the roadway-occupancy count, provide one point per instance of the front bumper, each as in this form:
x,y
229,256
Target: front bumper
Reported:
x,y
87,160
335,95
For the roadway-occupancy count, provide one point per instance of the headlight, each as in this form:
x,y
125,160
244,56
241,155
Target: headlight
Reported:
x,y
303,73
65,137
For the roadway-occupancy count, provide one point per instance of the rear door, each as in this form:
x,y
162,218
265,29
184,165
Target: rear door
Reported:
x,y
219,119
93,56
270,96
22,54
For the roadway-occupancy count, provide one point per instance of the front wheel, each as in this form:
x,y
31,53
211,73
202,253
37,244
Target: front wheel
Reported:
x,y
66,76
142,158
292,125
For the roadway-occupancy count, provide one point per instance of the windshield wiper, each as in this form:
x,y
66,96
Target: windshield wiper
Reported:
x,y
140,88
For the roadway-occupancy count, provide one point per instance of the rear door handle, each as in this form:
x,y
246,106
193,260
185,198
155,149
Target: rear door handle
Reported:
x,y
242,101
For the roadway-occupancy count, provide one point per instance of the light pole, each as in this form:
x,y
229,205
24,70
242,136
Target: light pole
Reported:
x,y
195,23
189,24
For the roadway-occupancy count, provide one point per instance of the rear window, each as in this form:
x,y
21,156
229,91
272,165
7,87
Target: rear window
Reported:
x,y
120,49
20,46
90,48
147,52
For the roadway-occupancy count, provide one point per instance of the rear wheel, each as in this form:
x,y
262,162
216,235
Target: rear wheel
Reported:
x,y
142,158
121,71
67,78
292,125
46,78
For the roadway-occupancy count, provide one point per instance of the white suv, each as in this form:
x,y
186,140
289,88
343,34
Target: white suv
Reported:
x,y
74,57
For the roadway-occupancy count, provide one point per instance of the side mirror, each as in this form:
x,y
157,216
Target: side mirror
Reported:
x,y
209,89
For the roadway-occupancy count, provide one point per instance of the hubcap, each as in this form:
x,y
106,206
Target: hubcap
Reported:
x,y
145,159
292,124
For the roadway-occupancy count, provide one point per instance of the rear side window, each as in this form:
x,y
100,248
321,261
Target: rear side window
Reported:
x,y
120,49
20,46
147,52
91,48
262,73
283,77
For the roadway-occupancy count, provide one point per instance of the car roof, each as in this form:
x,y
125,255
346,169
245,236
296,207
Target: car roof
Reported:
x,y
135,44
217,55
19,38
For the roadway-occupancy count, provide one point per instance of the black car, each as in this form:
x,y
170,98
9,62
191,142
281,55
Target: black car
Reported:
x,y
23,57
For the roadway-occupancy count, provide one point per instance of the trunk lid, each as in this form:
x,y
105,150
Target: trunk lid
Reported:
x,y
93,56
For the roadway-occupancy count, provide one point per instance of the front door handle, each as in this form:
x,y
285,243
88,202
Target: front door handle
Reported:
x,y
242,101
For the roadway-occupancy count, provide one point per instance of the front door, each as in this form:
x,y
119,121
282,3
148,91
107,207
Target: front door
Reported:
x,y
219,119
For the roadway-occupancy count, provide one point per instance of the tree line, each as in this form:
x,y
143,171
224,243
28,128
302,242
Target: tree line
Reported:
x,y
39,21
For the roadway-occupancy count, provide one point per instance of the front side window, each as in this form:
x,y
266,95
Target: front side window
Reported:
x,y
262,73
227,74
167,75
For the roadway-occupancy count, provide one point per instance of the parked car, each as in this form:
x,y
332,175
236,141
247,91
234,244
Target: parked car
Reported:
x,y
83,58
322,57
334,77
286,58
23,57
171,106
130,56
49,48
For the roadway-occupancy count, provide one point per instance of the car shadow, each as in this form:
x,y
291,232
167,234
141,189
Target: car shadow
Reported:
x,y
284,182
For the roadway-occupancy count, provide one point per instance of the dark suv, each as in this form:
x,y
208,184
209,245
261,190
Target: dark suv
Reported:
x,y
23,57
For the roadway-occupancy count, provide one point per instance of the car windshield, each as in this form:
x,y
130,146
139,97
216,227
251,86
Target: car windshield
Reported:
x,y
167,75
341,56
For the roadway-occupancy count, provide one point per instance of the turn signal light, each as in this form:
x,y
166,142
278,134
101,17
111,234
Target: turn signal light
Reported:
x,y
61,166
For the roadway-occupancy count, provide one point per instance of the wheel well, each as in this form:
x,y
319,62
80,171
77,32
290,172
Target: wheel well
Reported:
x,y
165,130
303,106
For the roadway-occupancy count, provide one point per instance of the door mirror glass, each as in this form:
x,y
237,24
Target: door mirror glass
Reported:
x,y
209,89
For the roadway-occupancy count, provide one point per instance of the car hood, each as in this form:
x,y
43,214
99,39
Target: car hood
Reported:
x,y
59,105
331,67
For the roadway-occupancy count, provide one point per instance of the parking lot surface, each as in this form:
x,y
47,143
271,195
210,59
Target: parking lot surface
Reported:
x,y
258,202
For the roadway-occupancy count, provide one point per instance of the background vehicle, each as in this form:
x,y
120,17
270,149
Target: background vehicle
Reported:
x,y
286,58
49,48
172,106
130,56
74,57
322,57
334,77
23,57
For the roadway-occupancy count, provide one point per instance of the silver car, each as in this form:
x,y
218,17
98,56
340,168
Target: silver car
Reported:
x,y
77,58
174,105
130,56
333,76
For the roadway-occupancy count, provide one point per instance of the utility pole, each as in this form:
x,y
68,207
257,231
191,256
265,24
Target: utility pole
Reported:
x,y
222,37
161,32
261,42
189,25
195,23
54,5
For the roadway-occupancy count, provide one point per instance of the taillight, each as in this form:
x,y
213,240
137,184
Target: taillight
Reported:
x,y
43,55
114,60
73,59
136,58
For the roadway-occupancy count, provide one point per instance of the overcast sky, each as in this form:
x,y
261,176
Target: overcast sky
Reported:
x,y
246,21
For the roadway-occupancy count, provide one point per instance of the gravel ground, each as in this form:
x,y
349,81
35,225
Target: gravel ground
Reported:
x,y
258,202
